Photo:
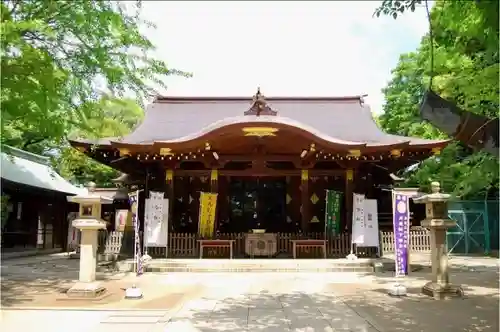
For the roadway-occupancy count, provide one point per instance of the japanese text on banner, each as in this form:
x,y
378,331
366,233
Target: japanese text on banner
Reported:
x,y
401,223
208,203
333,212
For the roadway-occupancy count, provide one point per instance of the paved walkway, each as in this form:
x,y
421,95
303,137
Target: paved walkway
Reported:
x,y
234,302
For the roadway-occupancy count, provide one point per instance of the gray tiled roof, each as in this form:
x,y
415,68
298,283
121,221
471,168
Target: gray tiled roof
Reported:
x,y
344,120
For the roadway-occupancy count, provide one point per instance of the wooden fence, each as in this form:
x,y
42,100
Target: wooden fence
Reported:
x,y
185,245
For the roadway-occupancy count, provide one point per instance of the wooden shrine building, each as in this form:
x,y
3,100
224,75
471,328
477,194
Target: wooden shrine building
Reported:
x,y
269,159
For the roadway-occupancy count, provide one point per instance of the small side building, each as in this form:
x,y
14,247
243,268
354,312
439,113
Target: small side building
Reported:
x,y
35,204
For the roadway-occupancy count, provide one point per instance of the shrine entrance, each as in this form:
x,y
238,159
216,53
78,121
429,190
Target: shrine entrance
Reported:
x,y
257,203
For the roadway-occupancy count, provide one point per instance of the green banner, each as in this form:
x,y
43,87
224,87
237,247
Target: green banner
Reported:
x,y
332,211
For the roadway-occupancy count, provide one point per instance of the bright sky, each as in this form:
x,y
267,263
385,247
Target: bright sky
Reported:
x,y
287,48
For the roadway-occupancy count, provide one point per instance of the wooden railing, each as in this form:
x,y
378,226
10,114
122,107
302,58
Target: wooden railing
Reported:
x,y
185,245
420,241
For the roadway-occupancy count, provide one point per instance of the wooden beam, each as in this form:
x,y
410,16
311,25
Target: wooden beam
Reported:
x,y
264,157
259,172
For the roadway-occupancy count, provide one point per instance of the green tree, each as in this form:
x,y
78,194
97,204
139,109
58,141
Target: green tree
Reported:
x,y
59,57
121,116
465,70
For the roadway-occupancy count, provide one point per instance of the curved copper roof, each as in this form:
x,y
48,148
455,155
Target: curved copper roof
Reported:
x,y
341,121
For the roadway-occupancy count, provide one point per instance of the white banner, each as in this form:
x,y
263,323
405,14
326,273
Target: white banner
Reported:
x,y
156,228
358,219
371,224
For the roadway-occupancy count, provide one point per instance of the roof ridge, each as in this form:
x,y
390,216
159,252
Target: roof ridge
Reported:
x,y
25,155
160,99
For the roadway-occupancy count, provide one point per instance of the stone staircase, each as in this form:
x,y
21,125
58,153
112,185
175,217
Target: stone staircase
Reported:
x,y
253,265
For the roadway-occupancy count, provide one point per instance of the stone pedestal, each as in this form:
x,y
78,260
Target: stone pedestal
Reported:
x,y
87,287
89,222
438,222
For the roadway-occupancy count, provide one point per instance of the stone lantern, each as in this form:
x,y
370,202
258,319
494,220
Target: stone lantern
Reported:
x,y
88,222
437,220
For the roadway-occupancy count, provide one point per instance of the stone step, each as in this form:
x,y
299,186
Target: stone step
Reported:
x,y
367,269
208,265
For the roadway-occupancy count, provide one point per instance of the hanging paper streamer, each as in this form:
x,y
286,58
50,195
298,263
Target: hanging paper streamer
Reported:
x,y
401,216
134,204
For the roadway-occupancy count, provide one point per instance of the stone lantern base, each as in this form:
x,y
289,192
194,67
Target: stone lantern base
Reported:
x,y
87,291
442,291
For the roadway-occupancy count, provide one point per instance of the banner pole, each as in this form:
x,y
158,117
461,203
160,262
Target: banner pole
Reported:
x,y
326,212
168,226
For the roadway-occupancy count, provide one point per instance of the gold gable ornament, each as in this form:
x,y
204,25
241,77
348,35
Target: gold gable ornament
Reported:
x,y
259,131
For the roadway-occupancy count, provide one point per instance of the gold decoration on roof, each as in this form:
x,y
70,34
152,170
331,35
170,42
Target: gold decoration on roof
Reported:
x,y
354,153
436,151
259,106
124,152
288,199
304,175
396,153
166,152
260,131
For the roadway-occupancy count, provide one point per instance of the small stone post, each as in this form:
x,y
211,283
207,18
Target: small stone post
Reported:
x,y
88,222
437,220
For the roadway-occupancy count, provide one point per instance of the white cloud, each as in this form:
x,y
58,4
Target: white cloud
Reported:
x,y
328,48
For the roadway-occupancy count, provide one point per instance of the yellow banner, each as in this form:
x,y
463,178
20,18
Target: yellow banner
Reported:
x,y
206,223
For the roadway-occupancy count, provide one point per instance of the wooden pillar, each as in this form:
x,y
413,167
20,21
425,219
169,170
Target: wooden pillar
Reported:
x,y
305,202
169,194
349,189
214,188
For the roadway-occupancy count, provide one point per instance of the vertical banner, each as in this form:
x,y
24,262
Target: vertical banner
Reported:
x,y
371,224
134,206
121,217
358,219
400,220
206,223
332,211
156,230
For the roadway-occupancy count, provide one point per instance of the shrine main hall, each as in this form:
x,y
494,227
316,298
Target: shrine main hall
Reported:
x,y
270,160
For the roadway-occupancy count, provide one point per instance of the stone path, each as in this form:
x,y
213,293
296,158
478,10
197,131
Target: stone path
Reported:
x,y
246,312
312,302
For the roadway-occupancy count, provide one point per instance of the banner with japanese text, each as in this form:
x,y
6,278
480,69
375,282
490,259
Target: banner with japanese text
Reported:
x,y
401,224
358,219
206,223
332,212
156,224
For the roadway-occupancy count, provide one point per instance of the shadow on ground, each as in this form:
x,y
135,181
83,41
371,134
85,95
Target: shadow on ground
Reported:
x,y
350,307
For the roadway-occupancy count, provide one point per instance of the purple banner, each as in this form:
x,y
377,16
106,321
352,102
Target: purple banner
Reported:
x,y
400,221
